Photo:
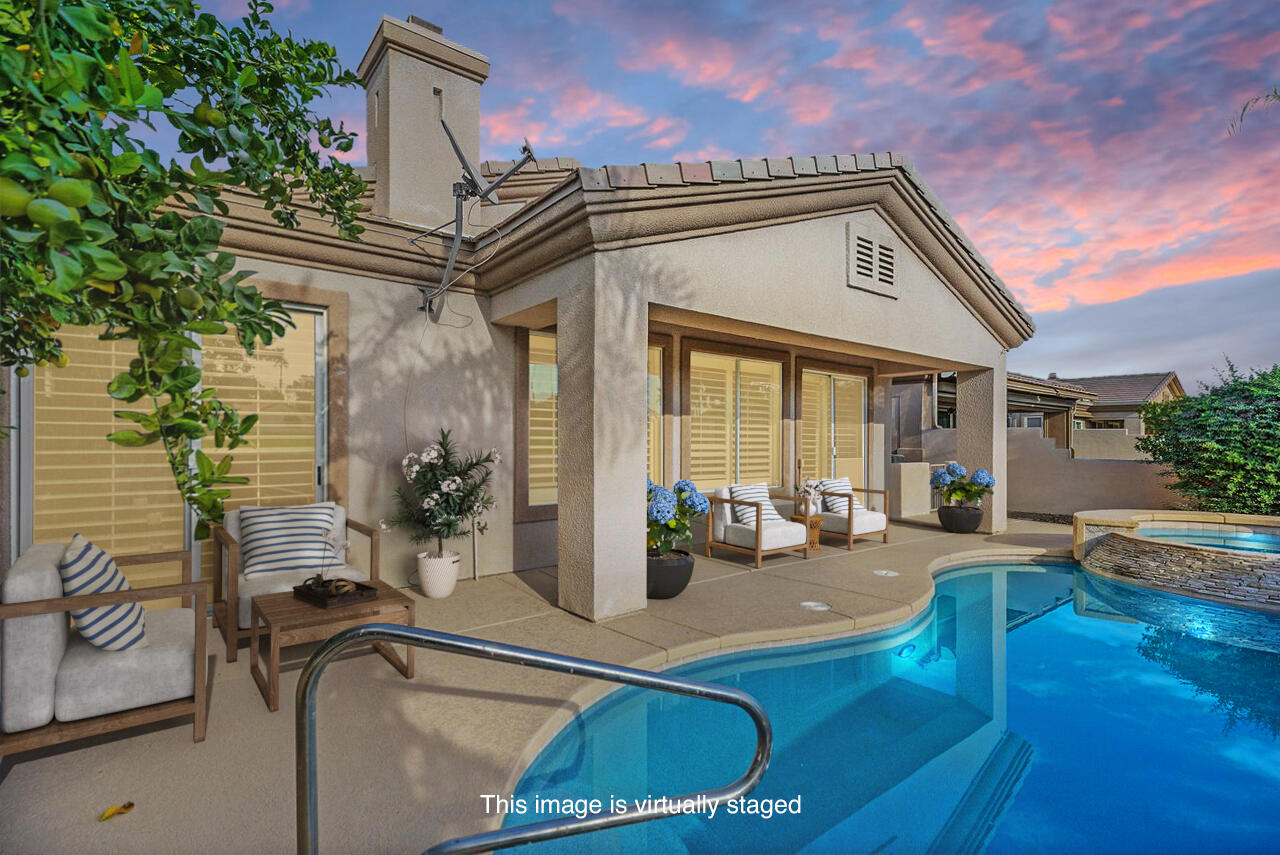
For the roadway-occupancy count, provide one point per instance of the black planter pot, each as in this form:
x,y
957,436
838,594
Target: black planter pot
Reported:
x,y
669,574
960,519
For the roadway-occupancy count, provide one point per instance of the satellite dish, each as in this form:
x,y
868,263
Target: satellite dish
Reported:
x,y
470,186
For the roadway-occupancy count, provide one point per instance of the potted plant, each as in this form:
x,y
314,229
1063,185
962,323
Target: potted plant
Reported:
x,y
669,513
958,490
444,492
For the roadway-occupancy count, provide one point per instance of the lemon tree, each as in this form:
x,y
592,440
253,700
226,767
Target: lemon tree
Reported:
x,y
99,229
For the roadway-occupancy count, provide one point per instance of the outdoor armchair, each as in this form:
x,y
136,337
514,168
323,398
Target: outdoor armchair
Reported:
x,y
233,592
855,522
759,538
55,686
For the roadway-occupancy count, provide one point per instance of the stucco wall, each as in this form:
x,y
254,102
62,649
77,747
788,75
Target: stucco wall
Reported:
x,y
1107,444
410,376
1047,480
795,276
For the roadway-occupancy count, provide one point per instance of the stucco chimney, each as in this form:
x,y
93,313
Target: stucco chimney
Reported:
x,y
413,76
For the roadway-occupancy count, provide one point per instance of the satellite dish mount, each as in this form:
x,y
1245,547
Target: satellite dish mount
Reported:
x,y
470,186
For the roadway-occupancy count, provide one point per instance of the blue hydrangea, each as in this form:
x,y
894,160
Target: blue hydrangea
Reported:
x,y
940,479
684,485
661,492
649,485
661,510
697,502
983,478
955,470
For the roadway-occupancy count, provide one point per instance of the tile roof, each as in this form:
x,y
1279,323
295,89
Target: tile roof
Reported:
x,y
654,175
1052,382
1124,388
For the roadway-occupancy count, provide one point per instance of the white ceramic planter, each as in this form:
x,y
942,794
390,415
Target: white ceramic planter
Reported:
x,y
438,574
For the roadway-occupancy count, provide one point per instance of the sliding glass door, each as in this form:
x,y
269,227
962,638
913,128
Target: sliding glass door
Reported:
x,y
833,428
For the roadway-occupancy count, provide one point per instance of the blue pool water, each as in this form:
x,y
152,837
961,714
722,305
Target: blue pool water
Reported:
x,y
1244,541
1081,729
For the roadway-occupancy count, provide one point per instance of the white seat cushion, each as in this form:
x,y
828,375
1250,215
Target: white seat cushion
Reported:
x,y
746,514
864,522
280,581
96,682
778,534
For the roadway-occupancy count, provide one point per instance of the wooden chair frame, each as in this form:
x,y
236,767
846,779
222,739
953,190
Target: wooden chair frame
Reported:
x,y
849,536
226,609
758,552
196,706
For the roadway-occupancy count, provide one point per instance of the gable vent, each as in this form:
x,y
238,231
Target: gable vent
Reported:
x,y
884,273
870,265
864,257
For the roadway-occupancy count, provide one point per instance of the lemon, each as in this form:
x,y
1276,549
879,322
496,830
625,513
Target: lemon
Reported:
x,y
201,114
189,299
22,371
72,192
217,118
61,360
14,198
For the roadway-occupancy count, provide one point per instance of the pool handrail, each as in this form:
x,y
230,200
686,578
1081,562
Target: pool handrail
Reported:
x,y
305,732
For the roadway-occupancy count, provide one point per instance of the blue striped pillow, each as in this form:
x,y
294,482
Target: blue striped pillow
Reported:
x,y
839,504
291,538
745,514
86,569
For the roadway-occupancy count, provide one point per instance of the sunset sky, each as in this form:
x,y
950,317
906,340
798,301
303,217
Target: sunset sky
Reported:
x,y
1081,144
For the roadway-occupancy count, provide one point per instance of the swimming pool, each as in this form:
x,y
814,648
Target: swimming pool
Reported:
x,y
1080,729
1239,540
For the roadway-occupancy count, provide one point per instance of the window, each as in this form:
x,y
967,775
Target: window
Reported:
x,y
285,457
543,450
833,426
653,387
735,420
543,441
124,499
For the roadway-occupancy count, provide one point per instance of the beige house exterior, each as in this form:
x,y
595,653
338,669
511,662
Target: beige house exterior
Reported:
x,y
787,273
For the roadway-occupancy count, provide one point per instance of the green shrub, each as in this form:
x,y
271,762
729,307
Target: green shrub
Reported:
x,y
1223,445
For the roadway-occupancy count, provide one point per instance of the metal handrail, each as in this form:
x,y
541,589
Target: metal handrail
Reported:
x,y
305,731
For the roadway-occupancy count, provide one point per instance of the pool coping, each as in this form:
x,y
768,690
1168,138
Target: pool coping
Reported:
x,y
594,692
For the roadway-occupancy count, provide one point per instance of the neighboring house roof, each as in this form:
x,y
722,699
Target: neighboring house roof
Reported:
x,y
1118,389
1050,383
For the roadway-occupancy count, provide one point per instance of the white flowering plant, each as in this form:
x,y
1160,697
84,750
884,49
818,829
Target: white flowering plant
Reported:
x,y
444,491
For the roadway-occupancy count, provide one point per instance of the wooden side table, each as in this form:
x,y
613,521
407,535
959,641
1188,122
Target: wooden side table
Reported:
x,y
288,621
815,529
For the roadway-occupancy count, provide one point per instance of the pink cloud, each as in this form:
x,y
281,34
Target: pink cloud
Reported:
x,y
810,103
579,104
512,124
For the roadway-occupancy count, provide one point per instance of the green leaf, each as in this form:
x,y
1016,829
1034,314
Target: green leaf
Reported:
x,y
125,163
84,20
130,77
207,327
122,387
132,439
248,77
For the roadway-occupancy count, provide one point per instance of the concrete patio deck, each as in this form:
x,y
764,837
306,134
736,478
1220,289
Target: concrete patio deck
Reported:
x,y
403,764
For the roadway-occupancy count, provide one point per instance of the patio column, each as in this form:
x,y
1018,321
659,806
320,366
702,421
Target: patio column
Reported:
x,y
602,351
981,434
878,449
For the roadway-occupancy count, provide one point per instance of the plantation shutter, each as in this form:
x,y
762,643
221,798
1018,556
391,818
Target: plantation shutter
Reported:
x,y
655,434
848,401
712,413
279,383
543,450
122,499
815,425
735,420
759,422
